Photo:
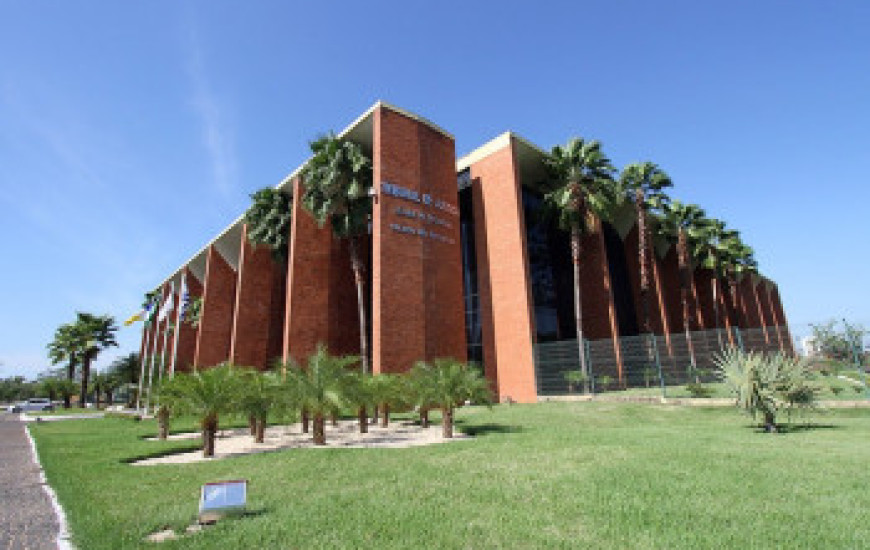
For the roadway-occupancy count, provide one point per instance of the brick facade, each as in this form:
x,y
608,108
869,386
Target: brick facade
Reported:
x,y
417,308
503,276
216,318
259,293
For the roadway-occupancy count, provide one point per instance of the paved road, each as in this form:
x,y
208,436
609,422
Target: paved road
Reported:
x,y
27,520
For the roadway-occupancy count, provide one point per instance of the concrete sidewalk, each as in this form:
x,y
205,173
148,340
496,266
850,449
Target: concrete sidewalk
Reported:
x,y
27,518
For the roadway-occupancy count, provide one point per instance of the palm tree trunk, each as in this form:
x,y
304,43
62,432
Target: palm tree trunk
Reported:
x,y
363,419
86,373
424,417
447,422
385,419
682,258
209,431
252,424
163,422
305,420
769,422
643,259
70,374
319,434
261,430
715,284
358,271
576,244
333,419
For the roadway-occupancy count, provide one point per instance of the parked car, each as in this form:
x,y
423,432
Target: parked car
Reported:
x,y
32,404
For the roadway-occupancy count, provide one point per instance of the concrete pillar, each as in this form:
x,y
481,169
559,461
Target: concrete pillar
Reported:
x,y
187,333
216,318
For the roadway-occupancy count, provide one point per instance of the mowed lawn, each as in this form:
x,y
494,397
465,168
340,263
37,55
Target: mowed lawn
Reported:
x,y
552,475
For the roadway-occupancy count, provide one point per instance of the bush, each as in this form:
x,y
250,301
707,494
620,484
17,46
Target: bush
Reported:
x,y
766,384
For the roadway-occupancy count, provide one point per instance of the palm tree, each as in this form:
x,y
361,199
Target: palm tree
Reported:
x,y
268,220
320,387
389,391
644,184
580,183
449,384
360,393
683,224
65,347
418,385
126,368
95,333
261,391
737,259
207,394
714,255
337,182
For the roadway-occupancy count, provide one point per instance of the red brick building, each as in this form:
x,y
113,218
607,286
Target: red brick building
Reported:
x,y
459,264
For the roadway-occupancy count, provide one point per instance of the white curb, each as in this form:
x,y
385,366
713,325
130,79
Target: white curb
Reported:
x,y
63,540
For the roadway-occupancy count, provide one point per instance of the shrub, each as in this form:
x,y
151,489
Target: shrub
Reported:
x,y
766,384
699,390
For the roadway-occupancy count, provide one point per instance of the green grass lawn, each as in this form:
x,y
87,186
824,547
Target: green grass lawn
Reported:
x,y
847,391
552,475
60,411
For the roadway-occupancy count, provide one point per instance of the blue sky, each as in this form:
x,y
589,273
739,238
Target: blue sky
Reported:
x,y
132,133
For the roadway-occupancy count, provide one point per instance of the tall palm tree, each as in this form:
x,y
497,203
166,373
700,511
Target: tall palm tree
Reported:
x,y
207,394
449,384
714,256
126,368
95,333
66,347
579,183
337,181
737,258
644,183
320,387
683,224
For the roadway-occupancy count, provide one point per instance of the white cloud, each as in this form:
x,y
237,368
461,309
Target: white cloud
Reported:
x,y
217,133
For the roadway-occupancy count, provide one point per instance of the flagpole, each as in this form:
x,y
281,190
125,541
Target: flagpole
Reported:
x,y
151,364
147,335
170,298
178,308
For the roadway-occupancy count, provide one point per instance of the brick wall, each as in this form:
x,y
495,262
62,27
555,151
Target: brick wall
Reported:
x,y
503,276
216,319
416,280
252,341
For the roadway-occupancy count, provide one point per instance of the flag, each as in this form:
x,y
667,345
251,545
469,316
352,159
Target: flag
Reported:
x,y
138,316
150,310
185,298
166,308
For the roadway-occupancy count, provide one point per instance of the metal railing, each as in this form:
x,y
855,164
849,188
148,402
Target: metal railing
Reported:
x,y
648,361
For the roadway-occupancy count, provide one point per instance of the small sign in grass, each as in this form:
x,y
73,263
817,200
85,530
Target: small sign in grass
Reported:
x,y
222,497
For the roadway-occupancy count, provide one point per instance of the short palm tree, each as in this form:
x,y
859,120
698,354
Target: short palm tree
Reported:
x,y
579,183
320,387
205,393
765,384
644,184
337,181
389,392
418,386
452,383
260,393
683,225
360,393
